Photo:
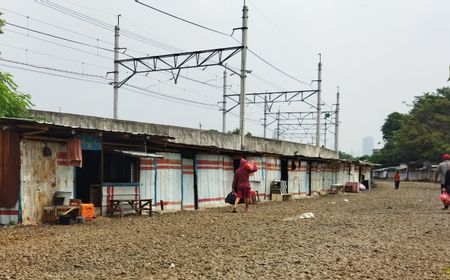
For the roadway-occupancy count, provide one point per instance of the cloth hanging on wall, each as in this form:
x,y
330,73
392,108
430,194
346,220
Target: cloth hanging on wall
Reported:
x,y
74,155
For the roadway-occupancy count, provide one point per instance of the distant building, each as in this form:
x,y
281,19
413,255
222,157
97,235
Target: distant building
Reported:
x,y
368,145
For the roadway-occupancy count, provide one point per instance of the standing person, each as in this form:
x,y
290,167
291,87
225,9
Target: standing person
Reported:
x,y
241,185
441,172
397,180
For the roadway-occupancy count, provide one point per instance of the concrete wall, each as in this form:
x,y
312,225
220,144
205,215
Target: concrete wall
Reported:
x,y
188,136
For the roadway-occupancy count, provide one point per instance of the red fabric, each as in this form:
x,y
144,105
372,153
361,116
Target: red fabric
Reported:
x,y
243,192
74,155
445,156
445,198
241,177
397,177
250,166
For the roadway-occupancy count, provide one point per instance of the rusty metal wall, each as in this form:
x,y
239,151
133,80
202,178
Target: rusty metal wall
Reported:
x,y
9,169
41,177
293,178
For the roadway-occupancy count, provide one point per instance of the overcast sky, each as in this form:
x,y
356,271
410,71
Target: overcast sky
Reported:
x,y
381,53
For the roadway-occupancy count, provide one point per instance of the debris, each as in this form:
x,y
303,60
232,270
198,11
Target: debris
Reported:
x,y
308,215
346,200
172,265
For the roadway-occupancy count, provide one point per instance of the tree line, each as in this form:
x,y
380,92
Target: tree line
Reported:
x,y
418,137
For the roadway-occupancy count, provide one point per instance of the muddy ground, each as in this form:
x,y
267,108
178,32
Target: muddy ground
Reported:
x,y
379,234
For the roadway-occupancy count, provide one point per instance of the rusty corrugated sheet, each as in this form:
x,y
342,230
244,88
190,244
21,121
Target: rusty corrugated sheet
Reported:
x,y
9,168
42,176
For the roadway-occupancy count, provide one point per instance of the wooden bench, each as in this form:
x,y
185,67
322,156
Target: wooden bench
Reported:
x,y
138,205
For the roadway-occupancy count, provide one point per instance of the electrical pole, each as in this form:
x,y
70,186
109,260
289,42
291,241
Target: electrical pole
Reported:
x,y
336,128
224,102
265,115
243,75
278,125
325,135
319,85
116,68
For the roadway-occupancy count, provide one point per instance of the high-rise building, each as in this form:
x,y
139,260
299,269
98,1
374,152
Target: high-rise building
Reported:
x,y
367,147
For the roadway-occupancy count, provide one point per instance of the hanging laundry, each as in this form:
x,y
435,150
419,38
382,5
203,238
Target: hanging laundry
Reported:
x,y
74,155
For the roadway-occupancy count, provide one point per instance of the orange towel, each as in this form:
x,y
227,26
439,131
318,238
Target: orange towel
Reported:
x,y
74,155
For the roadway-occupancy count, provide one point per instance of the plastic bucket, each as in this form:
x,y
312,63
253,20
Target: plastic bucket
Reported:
x,y
61,198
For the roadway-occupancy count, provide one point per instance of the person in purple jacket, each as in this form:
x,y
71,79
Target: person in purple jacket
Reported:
x,y
241,185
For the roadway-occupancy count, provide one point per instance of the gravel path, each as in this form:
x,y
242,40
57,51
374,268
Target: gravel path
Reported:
x,y
380,234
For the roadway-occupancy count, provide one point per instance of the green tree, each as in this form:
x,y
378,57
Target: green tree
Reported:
x,y
391,124
422,135
12,102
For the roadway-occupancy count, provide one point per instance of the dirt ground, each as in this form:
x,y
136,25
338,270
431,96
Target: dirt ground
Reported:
x,y
379,234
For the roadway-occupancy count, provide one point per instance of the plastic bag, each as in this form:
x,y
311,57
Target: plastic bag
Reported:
x,y
231,197
445,198
250,167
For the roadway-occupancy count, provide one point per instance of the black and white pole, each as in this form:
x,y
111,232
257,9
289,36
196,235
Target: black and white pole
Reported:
x,y
116,68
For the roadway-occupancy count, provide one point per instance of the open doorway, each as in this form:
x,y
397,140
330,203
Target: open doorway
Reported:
x,y
89,174
284,170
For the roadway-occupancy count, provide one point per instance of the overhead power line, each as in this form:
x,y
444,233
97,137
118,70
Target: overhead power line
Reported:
x,y
182,19
55,56
53,74
57,44
105,25
225,34
58,37
278,69
55,69
57,26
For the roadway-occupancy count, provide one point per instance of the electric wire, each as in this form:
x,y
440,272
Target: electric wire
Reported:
x,y
59,37
55,56
57,44
228,35
52,74
281,30
103,25
57,26
278,69
54,69
181,19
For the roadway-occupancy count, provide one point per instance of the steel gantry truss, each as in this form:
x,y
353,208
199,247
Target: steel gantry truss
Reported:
x,y
298,123
270,98
176,62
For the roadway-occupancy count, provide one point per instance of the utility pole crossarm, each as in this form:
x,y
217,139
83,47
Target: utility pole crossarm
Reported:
x,y
177,61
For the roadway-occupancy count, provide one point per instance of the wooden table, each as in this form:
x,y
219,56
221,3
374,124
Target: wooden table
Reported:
x,y
137,205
